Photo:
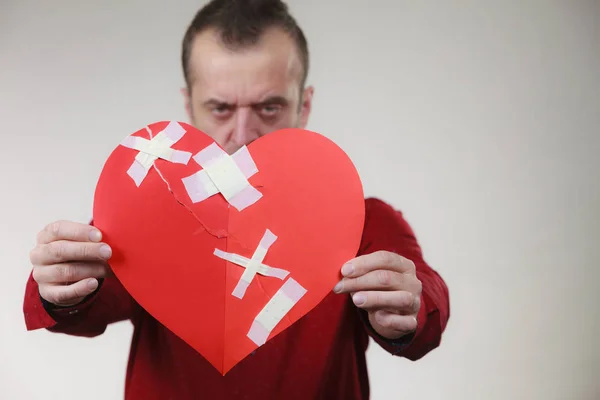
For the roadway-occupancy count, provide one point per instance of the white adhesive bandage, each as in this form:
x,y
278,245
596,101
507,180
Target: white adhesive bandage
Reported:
x,y
278,306
262,269
225,174
253,265
155,148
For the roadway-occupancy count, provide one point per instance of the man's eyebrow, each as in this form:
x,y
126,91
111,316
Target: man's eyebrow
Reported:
x,y
274,100
215,102
280,100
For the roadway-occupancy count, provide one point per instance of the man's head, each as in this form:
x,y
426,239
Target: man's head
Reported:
x,y
245,64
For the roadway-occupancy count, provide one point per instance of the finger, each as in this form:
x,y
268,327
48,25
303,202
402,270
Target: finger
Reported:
x,y
401,302
400,324
65,295
381,279
67,230
64,251
377,260
69,272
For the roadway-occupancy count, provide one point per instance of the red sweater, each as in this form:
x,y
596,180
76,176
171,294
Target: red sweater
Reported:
x,y
322,356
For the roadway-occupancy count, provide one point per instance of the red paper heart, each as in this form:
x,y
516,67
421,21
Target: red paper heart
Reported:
x,y
163,243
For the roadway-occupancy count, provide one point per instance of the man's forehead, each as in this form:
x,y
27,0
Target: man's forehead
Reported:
x,y
270,63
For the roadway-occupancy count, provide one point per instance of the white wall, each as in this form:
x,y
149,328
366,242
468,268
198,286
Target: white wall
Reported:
x,y
480,120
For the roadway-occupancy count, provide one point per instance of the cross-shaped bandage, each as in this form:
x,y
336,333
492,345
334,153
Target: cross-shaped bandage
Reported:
x,y
155,148
223,174
254,265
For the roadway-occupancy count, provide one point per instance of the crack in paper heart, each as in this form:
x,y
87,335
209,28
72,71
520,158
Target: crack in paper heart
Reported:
x,y
204,226
219,234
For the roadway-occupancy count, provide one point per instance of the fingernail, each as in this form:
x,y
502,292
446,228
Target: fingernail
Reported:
x,y
92,284
338,287
359,299
95,236
105,252
347,269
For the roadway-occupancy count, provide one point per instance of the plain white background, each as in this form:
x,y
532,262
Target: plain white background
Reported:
x,y
479,120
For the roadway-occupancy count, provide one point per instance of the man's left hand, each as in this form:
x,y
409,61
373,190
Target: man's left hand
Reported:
x,y
385,284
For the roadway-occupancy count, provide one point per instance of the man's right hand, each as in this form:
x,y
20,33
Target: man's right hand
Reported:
x,y
68,260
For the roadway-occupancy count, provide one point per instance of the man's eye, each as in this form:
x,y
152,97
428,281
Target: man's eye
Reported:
x,y
221,110
270,109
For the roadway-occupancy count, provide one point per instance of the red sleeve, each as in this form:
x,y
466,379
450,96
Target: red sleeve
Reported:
x,y
111,303
386,229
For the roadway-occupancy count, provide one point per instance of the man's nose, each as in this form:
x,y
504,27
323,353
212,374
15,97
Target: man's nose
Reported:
x,y
246,127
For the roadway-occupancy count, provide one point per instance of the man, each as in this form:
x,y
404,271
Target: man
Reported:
x,y
245,65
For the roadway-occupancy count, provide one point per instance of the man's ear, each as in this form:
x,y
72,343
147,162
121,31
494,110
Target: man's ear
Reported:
x,y
187,98
306,106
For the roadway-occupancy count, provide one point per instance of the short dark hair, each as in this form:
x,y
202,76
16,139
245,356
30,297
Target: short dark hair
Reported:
x,y
240,23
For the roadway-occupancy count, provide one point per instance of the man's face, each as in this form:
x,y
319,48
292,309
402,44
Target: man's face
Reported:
x,y
239,96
